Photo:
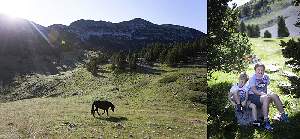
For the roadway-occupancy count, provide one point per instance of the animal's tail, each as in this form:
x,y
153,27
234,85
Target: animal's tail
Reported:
x,y
93,109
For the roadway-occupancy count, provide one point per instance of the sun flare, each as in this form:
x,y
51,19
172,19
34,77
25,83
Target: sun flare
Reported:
x,y
15,8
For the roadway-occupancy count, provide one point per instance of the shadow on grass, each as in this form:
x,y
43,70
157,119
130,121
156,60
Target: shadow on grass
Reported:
x,y
288,130
142,69
103,71
113,118
222,122
268,40
100,76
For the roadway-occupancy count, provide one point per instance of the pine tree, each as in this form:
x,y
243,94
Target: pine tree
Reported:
x,y
132,60
243,27
257,31
250,31
267,34
172,57
91,66
282,29
118,61
246,11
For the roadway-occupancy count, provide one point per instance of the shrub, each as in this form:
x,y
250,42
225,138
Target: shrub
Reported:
x,y
118,61
91,66
267,34
221,120
291,50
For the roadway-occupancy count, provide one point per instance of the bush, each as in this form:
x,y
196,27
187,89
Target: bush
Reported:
x,y
267,34
291,50
221,120
91,66
118,61
295,82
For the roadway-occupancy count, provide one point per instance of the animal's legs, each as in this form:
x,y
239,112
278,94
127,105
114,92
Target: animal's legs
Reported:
x,y
98,112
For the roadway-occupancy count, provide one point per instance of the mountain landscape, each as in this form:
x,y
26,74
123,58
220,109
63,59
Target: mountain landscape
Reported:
x,y
50,76
265,14
27,47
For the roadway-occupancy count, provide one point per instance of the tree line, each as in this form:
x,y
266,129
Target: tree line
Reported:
x,y
171,54
253,31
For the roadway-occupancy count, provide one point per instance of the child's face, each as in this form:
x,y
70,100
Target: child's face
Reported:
x,y
242,82
259,71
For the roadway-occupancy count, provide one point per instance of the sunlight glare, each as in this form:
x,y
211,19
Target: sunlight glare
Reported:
x,y
15,8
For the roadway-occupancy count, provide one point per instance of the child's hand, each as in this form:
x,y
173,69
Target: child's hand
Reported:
x,y
244,103
262,93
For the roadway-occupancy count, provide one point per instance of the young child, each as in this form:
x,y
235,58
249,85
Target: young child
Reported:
x,y
238,96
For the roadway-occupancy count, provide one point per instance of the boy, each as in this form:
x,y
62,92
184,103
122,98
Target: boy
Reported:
x,y
261,97
238,96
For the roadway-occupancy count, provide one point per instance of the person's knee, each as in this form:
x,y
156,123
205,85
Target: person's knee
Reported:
x,y
252,106
266,99
274,96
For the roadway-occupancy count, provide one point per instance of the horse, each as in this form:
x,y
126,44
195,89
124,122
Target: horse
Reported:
x,y
104,105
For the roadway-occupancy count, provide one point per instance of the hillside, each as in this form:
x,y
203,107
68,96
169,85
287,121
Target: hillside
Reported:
x,y
265,13
27,47
158,103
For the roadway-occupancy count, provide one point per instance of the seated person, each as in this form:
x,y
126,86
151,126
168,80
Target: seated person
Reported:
x,y
238,96
262,97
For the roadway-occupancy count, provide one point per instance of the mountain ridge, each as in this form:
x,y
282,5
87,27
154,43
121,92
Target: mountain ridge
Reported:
x,y
27,47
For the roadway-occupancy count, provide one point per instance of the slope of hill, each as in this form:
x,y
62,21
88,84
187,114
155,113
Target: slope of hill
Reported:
x,y
23,49
265,14
290,19
158,103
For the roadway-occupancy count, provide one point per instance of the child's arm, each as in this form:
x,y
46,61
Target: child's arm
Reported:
x,y
254,90
230,94
246,99
253,87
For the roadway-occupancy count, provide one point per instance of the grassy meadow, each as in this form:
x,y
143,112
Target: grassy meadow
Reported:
x,y
269,51
159,103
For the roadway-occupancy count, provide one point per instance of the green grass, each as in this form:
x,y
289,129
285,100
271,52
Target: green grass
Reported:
x,y
269,51
146,106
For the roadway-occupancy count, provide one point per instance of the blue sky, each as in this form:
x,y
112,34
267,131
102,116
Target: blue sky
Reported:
x,y
189,13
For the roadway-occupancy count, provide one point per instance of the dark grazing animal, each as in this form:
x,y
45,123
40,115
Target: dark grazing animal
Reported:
x,y
104,105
